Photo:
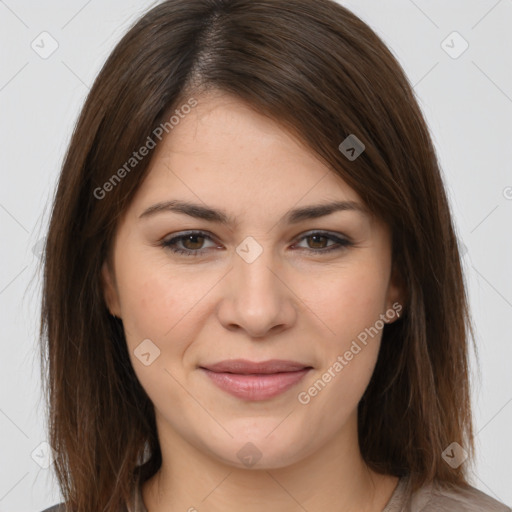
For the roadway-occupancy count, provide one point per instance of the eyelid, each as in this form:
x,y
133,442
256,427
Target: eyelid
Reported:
x,y
341,242
324,232
182,234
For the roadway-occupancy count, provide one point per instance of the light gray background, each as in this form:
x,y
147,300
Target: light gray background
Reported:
x,y
467,102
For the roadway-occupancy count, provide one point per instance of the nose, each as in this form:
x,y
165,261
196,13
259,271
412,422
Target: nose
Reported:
x,y
256,297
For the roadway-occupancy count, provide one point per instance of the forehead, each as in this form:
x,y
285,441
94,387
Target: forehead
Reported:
x,y
225,149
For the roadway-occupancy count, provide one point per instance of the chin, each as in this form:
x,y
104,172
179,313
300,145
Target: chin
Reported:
x,y
260,448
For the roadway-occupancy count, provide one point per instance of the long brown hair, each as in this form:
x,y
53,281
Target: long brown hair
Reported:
x,y
323,74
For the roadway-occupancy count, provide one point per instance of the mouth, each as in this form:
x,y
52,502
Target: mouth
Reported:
x,y
255,381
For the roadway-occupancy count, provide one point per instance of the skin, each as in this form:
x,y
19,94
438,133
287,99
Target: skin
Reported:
x,y
289,303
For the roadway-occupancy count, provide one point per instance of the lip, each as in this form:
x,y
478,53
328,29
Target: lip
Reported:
x,y
244,366
256,381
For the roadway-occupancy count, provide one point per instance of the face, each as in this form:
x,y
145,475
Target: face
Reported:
x,y
310,291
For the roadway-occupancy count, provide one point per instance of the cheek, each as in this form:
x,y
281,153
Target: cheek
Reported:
x,y
348,300
349,303
165,304
158,303
156,297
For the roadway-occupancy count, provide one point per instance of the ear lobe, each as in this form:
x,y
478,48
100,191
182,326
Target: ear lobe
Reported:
x,y
110,291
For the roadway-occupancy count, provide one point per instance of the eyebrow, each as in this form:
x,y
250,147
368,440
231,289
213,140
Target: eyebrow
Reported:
x,y
219,216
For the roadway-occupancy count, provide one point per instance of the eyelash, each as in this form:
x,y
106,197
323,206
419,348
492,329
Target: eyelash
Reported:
x,y
341,243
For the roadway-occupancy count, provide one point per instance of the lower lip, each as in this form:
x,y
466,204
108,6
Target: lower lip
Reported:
x,y
256,387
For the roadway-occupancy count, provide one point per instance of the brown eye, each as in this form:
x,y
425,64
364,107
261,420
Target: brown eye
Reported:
x,y
191,243
317,242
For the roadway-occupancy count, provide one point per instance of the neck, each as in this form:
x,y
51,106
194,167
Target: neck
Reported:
x,y
332,478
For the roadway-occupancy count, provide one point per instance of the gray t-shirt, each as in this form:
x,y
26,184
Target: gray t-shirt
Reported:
x,y
434,498
430,498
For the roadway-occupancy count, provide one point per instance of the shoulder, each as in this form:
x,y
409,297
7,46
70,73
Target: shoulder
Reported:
x,y
56,508
436,498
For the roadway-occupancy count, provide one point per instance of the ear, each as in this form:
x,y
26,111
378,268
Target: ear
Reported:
x,y
110,290
396,294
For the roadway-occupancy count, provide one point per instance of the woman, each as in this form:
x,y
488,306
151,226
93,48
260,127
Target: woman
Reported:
x,y
253,295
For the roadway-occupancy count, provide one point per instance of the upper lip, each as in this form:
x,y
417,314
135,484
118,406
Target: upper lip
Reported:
x,y
244,366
